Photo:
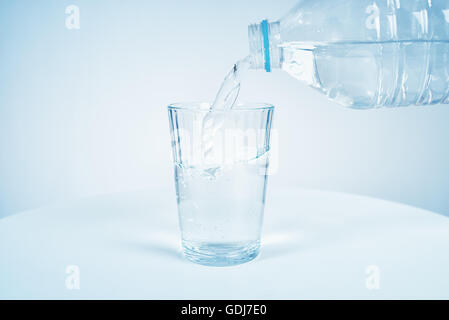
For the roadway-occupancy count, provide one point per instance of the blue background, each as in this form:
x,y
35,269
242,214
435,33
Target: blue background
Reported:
x,y
83,112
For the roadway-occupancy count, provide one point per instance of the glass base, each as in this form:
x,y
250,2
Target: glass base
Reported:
x,y
220,254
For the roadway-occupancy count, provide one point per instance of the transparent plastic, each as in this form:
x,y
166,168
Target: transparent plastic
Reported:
x,y
362,53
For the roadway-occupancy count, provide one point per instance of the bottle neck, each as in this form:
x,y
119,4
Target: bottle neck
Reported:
x,y
264,40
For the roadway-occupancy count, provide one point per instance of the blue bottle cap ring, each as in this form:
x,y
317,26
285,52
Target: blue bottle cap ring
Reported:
x,y
266,45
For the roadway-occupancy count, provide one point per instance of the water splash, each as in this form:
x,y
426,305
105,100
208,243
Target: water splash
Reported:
x,y
230,88
225,100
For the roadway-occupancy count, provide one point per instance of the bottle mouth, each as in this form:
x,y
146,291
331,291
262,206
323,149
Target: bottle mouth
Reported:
x,y
264,40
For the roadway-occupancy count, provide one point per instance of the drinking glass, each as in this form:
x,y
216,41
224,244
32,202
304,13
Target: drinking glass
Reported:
x,y
221,160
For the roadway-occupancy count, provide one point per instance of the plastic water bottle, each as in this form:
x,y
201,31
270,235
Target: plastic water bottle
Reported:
x,y
361,53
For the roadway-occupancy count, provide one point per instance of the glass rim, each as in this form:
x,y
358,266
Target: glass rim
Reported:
x,y
205,106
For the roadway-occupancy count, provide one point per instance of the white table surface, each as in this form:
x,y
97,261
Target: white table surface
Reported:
x,y
316,244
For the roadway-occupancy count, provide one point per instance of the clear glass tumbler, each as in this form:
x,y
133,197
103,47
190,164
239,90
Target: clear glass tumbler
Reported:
x,y
221,160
